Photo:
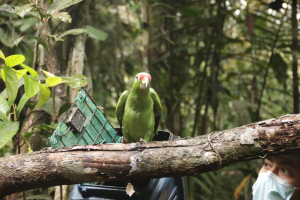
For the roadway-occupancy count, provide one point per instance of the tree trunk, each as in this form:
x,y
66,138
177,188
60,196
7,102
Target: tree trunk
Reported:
x,y
188,156
295,56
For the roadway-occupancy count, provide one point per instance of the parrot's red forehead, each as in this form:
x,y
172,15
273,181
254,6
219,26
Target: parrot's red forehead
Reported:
x,y
142,75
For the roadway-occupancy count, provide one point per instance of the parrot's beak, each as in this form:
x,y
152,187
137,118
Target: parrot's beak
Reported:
x,y
145,83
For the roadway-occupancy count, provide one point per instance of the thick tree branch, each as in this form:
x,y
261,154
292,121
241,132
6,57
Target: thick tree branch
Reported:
x,y
188,156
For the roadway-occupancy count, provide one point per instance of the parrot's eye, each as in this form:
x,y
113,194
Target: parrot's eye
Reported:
x,y
137,77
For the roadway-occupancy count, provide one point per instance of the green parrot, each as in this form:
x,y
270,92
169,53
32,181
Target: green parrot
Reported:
x,y
139,110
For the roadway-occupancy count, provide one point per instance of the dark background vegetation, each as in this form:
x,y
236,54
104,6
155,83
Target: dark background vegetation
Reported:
x,y
216,64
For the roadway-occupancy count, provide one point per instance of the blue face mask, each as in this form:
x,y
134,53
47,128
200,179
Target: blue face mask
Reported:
x,y
268,186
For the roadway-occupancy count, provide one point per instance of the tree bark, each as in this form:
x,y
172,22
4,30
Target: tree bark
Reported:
x,y
295,56
183,157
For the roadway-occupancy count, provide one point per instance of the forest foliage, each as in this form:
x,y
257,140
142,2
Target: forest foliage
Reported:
x,y
216,64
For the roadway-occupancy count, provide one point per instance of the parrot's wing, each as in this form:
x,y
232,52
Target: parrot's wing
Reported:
x,y
121,106
156,107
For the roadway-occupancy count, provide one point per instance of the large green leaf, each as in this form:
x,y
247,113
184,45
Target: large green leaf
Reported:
x,y
48,106
62,16
61,4
20,83
7,8
22,103
53,81
96,33
76,81
30,70
23,10
20,73
11,84
73,32
3,117
28,23
44,95
31,86
4,108
5,38
7,131
14,60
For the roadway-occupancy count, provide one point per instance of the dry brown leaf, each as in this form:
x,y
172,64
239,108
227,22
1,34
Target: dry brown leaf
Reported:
x,y
129,189
241,187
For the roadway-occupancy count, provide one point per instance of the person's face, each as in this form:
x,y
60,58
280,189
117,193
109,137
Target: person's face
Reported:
x,y
284,168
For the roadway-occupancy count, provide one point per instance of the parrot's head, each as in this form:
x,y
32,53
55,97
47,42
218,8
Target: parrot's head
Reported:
x,y
142,80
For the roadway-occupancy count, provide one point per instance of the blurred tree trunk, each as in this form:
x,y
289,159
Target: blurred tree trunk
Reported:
x,y
295,56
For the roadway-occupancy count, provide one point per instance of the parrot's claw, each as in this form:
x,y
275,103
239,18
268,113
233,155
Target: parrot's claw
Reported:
x,y
125,141
142,140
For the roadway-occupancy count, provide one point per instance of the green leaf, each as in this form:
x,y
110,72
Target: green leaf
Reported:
x,y
162,4
48,74
7,131
53,81
96,33
4,108
3,117
62,16
23,10
202,184
48,106
17,41
30,70
20,83
64,108
11,84
22,103
31,86
28,23
35,14
39,40
44,95
76,81
135,7
44,127
20,73
27,142
6,38
2,55
7,8
27,135
61,4
73,32
280,68
14,60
